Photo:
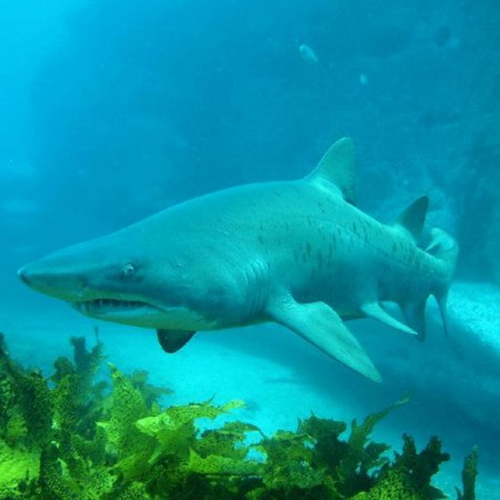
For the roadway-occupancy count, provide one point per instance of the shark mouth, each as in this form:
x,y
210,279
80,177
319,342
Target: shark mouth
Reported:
x,y
103,306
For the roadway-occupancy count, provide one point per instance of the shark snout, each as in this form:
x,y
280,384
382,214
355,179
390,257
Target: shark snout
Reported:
x,y
24,275
48,279
36,276
33,275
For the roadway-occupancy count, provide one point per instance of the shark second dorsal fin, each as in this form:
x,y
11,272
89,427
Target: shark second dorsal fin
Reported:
x,y
337,166
412,219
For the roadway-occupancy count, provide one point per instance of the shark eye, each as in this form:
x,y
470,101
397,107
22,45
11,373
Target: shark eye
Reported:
x,y
128,270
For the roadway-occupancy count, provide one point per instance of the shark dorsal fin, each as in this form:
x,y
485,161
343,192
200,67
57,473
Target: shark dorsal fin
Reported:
x,y
413,217
337,166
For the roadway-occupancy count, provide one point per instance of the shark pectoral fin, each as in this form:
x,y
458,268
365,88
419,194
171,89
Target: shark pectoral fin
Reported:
x,y
323,327
172,340
414,313
375,311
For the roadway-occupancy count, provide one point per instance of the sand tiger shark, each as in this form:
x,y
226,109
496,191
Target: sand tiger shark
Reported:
x,y
298,253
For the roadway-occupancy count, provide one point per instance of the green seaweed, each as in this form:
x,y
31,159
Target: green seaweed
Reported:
x,y
25,403
469,474
409,475
74,436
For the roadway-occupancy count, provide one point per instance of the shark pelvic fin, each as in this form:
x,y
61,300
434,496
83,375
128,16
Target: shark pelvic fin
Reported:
x,y
337,166
374,310
414,313
442,301
322,326
413,217
172,340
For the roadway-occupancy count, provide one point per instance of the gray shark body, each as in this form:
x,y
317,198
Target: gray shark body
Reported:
x,y
298,253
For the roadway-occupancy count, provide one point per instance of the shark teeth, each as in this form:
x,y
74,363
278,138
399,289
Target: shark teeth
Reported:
x,y
106,305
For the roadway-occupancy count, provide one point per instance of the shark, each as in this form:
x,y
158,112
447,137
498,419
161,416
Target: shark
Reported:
x,y
298,253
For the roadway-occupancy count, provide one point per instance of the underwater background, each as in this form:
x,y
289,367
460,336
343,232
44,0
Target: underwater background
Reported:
x,y
112,110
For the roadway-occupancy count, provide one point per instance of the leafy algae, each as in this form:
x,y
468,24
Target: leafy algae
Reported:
x,y
70,437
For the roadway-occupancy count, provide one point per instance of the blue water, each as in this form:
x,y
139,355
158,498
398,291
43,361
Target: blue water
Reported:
x,y
111,110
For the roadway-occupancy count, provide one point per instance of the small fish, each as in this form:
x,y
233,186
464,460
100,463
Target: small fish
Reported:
x,y
308,54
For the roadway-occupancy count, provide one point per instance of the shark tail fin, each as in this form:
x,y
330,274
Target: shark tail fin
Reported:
x,y
444,248
337,167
